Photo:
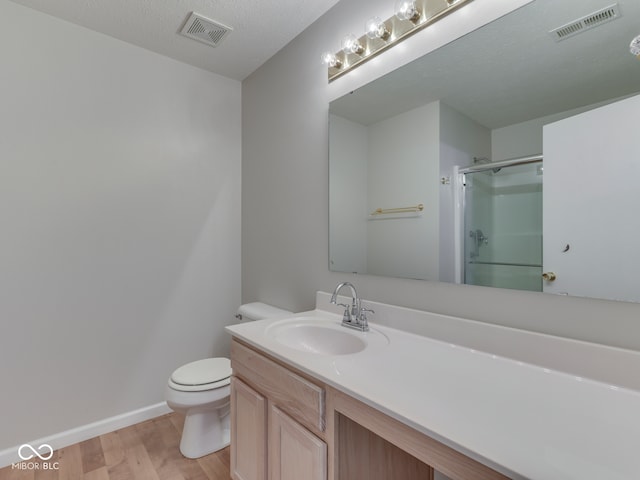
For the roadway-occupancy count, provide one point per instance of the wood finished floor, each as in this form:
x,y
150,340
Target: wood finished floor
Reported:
x,y
146,451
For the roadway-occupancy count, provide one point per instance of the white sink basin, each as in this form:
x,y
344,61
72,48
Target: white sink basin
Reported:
x,y
310,335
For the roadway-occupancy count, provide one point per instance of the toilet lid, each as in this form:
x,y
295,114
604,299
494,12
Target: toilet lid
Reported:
x,y
202,372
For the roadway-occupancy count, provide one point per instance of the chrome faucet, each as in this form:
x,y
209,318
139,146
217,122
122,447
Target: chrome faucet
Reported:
x,y
355,315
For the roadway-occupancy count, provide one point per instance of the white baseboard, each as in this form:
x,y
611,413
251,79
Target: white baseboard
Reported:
x,y
85,432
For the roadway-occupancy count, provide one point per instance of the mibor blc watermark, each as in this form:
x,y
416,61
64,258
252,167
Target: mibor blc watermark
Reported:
x,y
44,453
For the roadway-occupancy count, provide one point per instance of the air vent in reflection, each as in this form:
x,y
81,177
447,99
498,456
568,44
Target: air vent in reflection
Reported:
x,y
586,23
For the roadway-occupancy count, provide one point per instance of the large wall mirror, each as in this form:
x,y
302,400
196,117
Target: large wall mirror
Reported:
x,y
507,158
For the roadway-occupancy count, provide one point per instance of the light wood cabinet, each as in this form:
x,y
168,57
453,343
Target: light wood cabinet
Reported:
x,y
316,432
301,398
294,452
248,433
271,402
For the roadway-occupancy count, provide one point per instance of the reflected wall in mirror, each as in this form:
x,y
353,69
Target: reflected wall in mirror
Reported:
x,y
437,132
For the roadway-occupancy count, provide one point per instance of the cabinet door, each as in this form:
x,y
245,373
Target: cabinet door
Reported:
x,y
248,433
294,452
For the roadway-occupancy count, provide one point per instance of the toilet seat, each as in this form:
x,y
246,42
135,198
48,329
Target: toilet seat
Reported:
x,y
206,374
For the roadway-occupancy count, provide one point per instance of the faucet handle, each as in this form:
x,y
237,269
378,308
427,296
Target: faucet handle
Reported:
x,y
363,314
346,316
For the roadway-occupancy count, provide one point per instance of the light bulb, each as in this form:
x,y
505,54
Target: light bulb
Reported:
x,y
376,28
330,60
350,44
634,47
407,10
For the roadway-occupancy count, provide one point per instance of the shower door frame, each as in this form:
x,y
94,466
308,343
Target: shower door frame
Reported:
x,y
460,204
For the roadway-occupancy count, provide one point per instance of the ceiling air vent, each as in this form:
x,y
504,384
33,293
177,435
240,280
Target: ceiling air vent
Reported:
x,y
204,30
585,23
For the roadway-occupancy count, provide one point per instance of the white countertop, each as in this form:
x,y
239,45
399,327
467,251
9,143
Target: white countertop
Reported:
x,y
523,420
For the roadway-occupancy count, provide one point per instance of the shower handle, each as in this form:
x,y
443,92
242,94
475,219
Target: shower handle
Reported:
x,y
479,238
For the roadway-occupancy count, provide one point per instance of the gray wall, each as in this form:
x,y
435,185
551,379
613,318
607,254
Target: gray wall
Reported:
x,y
348,207
408,247
285,204
119,206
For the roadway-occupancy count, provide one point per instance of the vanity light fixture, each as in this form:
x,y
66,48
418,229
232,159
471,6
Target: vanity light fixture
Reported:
x,y
376,28
410,16
407,10
350,44
634,47
331,60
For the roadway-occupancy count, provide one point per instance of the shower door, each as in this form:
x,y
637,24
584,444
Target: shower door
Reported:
x,y
503,227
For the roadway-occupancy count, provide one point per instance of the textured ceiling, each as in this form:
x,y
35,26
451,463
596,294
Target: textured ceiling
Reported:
x,y
260,27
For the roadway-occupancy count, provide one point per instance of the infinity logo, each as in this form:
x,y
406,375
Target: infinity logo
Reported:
x,y
48,452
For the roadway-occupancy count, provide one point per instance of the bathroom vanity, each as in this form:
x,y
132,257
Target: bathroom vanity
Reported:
x,y
314,400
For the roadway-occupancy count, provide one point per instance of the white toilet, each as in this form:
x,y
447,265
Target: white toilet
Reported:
x,y
201,391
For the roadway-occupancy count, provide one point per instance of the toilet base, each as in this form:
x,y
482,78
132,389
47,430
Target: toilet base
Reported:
x,y
205,432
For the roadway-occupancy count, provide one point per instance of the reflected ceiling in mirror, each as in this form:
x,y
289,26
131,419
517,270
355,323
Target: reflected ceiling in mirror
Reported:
x,y
391,145
513,69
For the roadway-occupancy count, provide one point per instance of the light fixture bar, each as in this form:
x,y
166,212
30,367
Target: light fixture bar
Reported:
x,y
430,12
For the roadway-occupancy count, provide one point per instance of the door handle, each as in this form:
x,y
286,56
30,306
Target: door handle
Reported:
x,y
549,276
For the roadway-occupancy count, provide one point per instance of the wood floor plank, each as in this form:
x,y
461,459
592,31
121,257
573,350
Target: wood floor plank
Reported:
x,y
165,429
177,421
9,473
120,471
161,442
50,472
147,451
152,442
92,455
138,460
214,465
190,470
42,472
46,475
101,473
70,462
112,448
128,437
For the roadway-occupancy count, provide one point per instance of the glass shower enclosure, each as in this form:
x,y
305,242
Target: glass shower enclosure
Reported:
x,y
501,234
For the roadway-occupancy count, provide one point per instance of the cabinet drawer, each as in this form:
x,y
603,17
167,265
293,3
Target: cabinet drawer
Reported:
x,y
297,396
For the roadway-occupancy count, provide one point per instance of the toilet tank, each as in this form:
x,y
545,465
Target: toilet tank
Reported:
x,y
258,311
